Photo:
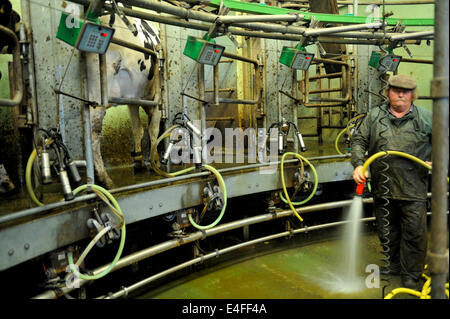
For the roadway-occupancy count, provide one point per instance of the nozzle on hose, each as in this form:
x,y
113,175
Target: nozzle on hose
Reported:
x,y
360,188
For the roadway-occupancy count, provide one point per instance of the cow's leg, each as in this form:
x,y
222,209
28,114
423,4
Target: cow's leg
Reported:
x,y
138,134
154,119
97,115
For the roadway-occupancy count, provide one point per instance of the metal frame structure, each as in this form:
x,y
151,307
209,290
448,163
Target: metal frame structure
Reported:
x,y
44,227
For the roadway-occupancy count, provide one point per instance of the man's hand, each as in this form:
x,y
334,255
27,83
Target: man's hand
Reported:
x,y
358,176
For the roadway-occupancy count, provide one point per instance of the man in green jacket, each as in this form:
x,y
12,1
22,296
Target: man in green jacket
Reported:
x,y
399,185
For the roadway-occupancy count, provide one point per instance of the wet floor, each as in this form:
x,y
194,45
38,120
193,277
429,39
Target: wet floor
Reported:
x,y
315,271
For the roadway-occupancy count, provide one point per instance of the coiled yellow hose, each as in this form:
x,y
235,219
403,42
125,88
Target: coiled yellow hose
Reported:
x,y
424,294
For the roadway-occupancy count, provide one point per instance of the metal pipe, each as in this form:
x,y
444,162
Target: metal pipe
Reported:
x,y
408,60
57,205
216,85
123,101
324,91
17,95
345,77
186,14
25,39
103,80
412,35
340,104
133,46
293,34
207,17
438,253
125,290
162,247
257,86
355,27
90,177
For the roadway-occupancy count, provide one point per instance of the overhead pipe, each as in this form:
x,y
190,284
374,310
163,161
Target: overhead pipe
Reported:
x,y
17,95
412,35
207,17
355,27
186,14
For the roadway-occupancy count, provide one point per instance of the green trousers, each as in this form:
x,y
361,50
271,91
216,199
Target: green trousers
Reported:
x,y
402,229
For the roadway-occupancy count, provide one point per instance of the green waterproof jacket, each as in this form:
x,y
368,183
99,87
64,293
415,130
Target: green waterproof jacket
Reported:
x,y
381,130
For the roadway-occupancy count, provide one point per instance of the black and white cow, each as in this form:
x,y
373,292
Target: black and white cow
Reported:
x,y
130,74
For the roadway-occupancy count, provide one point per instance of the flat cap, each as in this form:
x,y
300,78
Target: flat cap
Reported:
x,y
402,81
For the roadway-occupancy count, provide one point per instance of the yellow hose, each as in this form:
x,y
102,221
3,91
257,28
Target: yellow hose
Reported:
x,y
224,191
153,155
283,183
28,169
346,129
397,153
339,136
423,294
122,236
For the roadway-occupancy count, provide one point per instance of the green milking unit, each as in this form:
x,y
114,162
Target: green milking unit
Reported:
x,y
204,51
89,36
296,58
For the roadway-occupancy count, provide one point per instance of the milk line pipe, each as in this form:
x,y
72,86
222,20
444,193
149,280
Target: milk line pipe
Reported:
x,y
268,35
162,247
196,15
331,30
18,93
207,17
36,210
125,290
412,35
199,235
